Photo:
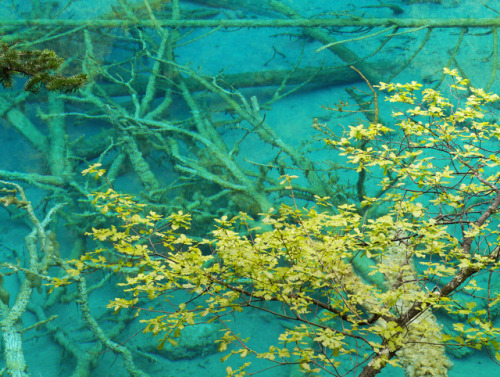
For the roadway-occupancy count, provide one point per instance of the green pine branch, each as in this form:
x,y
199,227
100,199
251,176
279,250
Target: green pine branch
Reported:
x,y
39,67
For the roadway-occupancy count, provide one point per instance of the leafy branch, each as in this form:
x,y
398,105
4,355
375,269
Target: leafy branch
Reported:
x,y
37,66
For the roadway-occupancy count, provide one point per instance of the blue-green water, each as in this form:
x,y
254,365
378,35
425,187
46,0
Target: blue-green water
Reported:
x,y
247,94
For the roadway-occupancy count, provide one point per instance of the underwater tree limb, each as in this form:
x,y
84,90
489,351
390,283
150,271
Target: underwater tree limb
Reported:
x,y
26,128
149,95
266,133
259,23
495,60
101,336
331,44
203,125
453,58
415,53
250,6
85,360
318,77
141,166
58,138
127,139
7,104
32,178
242,184
10,324
344,53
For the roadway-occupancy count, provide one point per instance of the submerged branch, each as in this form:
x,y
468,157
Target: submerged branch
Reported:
x,y
272,23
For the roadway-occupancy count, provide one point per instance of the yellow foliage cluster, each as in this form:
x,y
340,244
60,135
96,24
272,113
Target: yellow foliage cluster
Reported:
x,y
441,196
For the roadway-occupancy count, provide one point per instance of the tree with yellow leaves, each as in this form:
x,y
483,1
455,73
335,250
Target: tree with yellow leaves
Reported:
x,y
358,286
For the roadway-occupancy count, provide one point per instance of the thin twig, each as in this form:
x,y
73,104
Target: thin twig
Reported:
x,y
375,97
355,39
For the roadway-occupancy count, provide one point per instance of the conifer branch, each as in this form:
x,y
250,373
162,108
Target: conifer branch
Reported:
x,y
38,66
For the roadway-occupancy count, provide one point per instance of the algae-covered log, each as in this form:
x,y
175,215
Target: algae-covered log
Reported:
x,y
265,23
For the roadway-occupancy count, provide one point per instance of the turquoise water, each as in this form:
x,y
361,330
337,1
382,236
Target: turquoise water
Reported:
x,y
250,94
